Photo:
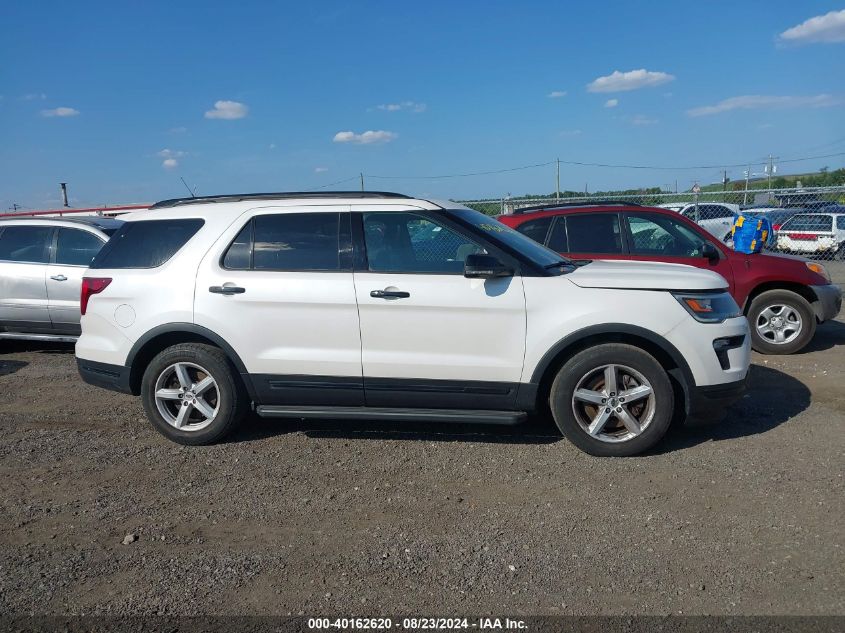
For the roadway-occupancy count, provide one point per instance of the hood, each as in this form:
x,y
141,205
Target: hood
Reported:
x,y
645,276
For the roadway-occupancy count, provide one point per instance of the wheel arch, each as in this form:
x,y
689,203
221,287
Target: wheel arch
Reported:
x,y
800,289
163,336
680,374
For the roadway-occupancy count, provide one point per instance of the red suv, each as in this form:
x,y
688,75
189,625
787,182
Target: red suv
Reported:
x,y
784,297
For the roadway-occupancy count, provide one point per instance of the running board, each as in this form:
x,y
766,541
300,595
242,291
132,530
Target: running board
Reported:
x,y
52,338
463,416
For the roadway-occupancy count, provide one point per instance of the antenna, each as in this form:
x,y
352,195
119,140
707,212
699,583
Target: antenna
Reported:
x,y
193,193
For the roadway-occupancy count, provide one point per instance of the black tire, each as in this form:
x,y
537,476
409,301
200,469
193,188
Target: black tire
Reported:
x,y
590,361
229,396
799,304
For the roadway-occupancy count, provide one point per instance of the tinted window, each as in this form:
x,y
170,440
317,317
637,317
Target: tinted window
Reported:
x,y
557,240
709,212
239,255
26,244
406,242
77,248
296,241
146,244
593,233
536,229
840,222
809,223
653,234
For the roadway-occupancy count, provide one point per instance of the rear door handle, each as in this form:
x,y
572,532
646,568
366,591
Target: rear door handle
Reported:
x,y
227,290
389,294
58,278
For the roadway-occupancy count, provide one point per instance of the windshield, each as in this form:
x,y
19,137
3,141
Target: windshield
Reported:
x,y
498,232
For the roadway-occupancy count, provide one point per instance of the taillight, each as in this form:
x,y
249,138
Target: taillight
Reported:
x,y
803,236
776,227
91,286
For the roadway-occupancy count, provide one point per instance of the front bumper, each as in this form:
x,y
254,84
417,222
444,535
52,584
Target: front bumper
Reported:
x,y
112,377
829,301
709,402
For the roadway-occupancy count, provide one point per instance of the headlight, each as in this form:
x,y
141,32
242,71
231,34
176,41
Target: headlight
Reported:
x,y
819,270
709,308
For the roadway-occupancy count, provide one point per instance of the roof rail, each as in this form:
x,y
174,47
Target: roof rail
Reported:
x,y
591,203
283,195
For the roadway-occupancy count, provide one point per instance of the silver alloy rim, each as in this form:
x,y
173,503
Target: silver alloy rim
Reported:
x,y
614,403
779,324
187,396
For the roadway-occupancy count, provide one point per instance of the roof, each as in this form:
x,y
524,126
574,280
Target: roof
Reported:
x,y
283,195
91,220
569,205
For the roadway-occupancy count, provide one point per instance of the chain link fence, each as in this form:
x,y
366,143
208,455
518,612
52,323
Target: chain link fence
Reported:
x,y
809,221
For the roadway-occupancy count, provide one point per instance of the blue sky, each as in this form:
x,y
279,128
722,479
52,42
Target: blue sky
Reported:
x,y
118,99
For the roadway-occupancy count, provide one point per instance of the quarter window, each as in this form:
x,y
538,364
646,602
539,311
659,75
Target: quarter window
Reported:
x,y
77,248
26,244
411,243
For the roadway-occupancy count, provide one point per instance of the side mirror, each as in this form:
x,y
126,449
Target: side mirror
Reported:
x,y
709,251
481,266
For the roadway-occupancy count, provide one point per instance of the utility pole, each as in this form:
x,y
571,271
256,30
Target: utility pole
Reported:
x,y
557,181
63,185
747,176
362,181
770,169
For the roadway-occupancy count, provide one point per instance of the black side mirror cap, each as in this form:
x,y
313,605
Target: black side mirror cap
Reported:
x,y
481,266
709,251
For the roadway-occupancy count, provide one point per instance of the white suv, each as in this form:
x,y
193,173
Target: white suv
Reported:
x,y
380,306
717,218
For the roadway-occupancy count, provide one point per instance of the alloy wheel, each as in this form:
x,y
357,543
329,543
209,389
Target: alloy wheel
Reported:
x,y
187,396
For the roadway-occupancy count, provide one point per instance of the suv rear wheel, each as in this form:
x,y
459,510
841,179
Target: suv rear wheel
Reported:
x,y
781,321
612,400
192,395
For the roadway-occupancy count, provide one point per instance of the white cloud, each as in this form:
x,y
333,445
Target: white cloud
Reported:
x,y
34,96
829,27
170,157
611,103
557,94
410,106
61,112
320,170
754,102
641,119
227,110
631,80
367,138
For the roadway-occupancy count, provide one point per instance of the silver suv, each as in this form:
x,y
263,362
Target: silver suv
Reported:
x,y
41,265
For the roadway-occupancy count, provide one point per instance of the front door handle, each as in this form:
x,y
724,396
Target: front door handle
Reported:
x,y
58,278
227,290
389,294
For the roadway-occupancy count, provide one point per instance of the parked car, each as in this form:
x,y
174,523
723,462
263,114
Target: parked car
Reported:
x,y
784,297
672,206
379,306
715,217
41,267
814,234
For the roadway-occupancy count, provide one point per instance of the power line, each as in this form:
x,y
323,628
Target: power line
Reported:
x,y
476,173
332,184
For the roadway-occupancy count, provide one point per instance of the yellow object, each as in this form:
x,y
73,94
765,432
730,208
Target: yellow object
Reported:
x,y
740,220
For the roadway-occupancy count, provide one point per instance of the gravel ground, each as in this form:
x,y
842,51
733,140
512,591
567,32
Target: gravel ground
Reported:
x,y
101,515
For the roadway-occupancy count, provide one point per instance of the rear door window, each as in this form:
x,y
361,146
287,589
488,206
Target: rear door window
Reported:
x,y
840,222
146,243
593,233
536,229
26,244
77,248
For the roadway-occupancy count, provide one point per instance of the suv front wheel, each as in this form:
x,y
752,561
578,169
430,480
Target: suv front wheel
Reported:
x,y
192,395
612,400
